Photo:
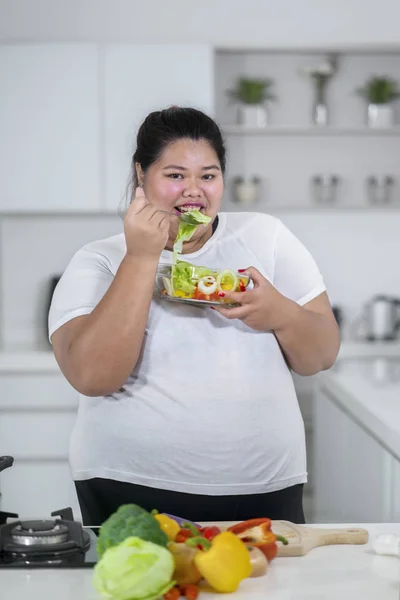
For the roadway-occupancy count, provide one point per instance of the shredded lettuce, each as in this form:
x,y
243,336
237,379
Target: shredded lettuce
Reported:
x,y
183,272
199,272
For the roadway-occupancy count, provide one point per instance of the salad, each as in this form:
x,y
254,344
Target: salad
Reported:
x,y
201,283
187,281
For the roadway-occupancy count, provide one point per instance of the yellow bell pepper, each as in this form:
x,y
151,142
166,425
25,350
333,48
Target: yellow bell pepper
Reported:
x,y
223,562
168,525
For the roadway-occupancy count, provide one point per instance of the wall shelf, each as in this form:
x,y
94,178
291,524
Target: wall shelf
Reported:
x,y
309,131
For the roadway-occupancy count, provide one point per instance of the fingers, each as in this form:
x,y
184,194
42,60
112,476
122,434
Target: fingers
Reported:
x,y
255,276
161,218
164,222
239,312
239,297
139,202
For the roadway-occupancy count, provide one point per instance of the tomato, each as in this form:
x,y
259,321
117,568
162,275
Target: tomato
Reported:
x,y
183,535
199,296
214,297
190,591
173,594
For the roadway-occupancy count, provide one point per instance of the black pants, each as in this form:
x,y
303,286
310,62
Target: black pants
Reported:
x,y
99,498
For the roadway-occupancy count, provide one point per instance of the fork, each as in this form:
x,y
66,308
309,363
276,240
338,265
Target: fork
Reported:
x,y
185,217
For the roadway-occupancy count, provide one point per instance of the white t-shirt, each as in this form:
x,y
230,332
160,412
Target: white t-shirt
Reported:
x,y
211,407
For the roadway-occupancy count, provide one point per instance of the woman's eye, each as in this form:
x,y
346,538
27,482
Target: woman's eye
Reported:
x,y
208,177
175,175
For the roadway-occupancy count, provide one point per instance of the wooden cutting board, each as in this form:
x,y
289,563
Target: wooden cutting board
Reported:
x,y
302,539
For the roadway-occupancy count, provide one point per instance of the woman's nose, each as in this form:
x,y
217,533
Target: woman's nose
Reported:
x,y
192,188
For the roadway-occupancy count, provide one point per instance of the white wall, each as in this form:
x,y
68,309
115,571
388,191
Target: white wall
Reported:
x,y
33,250
278,23
357,252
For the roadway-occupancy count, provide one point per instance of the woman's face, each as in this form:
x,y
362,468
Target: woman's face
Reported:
x,y
186,176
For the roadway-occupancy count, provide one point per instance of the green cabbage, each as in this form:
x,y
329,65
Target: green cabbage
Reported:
x,y
134,570
129,520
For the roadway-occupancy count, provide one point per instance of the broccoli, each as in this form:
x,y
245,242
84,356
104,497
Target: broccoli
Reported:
x,y
130,520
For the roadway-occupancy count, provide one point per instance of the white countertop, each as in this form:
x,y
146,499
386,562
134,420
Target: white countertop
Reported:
x,y
20,360
326,573
359,386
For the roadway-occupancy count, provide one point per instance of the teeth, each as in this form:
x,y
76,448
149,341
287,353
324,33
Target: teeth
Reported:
x,y
189,207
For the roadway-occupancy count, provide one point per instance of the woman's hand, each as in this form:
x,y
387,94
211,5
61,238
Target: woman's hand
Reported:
x,y
262,308
146,228
308,335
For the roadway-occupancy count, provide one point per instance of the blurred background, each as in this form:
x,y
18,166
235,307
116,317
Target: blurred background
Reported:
x,y
306,94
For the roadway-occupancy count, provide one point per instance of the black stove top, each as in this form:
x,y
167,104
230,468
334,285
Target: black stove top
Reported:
x,y
49,543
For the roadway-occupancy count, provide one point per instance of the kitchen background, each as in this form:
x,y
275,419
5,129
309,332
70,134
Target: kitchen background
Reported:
x,y
77,78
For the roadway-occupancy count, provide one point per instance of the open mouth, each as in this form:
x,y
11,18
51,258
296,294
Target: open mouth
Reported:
x,y
188,207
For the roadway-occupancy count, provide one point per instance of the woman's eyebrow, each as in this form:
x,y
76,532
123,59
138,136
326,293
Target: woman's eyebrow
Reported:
x,y
179,168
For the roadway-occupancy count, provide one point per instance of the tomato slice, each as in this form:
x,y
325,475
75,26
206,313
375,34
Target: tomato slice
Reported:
x,y
199,296
214,297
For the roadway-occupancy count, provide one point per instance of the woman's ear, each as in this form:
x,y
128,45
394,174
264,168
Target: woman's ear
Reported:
x,y
139,174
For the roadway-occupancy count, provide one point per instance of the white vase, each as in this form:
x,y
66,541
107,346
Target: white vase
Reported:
x,y
380,116
252,115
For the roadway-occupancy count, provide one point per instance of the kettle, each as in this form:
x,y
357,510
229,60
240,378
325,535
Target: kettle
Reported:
x,y
382,318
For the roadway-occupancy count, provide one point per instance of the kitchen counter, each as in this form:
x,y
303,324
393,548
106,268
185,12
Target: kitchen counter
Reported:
x,y
327,573
43,361
368,390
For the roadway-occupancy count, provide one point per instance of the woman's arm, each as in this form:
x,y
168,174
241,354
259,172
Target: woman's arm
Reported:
x,y
308,335
97,352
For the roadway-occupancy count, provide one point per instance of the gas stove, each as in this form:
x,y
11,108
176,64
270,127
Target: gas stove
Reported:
x,y
45,543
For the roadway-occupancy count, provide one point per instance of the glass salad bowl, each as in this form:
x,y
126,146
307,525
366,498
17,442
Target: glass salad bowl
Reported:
x,y
198,286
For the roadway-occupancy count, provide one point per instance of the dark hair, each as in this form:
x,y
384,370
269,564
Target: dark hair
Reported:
x,y
163,127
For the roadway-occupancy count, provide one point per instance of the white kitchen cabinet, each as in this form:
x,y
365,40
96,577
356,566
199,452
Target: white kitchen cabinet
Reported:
x,y
37,413
353,479
139,79
49,127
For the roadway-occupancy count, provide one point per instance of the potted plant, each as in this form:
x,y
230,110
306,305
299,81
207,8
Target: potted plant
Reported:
x,y
252,95
380,93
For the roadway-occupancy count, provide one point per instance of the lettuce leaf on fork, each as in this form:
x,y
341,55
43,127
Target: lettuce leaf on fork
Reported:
x,y
183,272
186,231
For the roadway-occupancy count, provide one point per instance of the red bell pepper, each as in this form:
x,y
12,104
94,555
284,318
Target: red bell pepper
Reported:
x,y
258,533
